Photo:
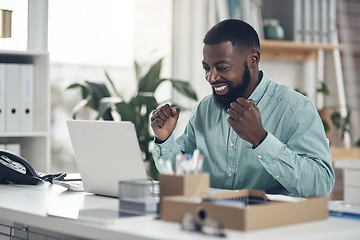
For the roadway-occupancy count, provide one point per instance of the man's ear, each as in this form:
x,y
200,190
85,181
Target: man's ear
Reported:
x,y
253,59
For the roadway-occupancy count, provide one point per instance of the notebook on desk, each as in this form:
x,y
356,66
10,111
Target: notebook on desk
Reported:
x,y
106,152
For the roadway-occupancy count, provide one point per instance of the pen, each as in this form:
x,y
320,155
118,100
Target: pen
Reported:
x,y
195,160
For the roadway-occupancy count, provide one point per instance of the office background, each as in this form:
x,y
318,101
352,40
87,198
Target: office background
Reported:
x,y
85,38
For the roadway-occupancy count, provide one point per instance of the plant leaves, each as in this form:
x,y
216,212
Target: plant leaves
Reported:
x,y
79,106
151,80
323,89
84,89
126,111
326,125
340,122
112,84
148,100
137,71
97,92
336,119
184,88
106,105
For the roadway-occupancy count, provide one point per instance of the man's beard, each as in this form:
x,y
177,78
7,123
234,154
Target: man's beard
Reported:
x,y
223,101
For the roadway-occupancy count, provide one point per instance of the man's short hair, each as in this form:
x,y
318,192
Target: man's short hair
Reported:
x,y
239,33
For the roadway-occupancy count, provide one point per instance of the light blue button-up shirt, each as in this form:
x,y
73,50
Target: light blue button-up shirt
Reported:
x,y
294,159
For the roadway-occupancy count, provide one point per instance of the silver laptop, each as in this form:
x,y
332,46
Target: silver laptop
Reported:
x,y
106,152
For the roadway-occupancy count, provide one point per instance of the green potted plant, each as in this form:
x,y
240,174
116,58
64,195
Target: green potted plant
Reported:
x,y
109,101
323,89
331,118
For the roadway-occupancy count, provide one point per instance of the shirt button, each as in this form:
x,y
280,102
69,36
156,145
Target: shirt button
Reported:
x,y
229,174
163,149
231,145
276,176
259,156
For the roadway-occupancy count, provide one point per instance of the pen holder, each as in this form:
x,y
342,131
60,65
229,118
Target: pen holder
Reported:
x,y
184,185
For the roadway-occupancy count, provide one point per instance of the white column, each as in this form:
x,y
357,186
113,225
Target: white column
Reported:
x,y
38,25
320,78
309,80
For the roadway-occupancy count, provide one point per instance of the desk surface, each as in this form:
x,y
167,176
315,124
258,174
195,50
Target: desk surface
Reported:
x,y
30,205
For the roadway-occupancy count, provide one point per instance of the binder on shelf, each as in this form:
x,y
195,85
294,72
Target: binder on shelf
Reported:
x,y
257,20
222,10
246,11
2,97
252,14
298,21
235,9
307,21
316,20
332,22
324,21
12,97
26,105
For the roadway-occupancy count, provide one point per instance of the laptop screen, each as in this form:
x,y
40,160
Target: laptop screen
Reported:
x,y
106,152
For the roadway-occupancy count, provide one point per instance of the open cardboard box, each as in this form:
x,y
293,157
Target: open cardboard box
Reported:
x,y
262,215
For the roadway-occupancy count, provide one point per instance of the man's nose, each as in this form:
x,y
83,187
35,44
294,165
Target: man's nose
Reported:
x,y
213,76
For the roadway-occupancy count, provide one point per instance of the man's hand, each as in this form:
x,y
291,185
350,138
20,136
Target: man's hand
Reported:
x,y
245,120
163,121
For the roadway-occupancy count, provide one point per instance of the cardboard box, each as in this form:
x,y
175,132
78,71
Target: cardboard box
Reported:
x,y
183,185
257,216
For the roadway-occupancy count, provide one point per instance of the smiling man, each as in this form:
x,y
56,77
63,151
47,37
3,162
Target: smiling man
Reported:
x,y
253,132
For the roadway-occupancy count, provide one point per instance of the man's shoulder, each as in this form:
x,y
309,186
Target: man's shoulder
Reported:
x,y
287,94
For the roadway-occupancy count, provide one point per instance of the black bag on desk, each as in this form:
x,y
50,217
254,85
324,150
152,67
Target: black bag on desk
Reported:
x,y
15,169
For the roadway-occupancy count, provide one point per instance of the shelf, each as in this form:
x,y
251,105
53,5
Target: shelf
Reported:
x,y
338,153
34,144
292,51
23,134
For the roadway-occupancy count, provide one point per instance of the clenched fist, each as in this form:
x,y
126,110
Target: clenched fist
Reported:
x,y
163,121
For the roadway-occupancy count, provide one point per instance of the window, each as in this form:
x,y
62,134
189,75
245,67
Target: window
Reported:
x,y
87,37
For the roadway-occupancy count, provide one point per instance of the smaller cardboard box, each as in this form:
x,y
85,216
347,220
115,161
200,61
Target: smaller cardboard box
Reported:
x,y
183,185
263,214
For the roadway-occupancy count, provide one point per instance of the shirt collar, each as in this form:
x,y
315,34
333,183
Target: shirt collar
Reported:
x,y
259,91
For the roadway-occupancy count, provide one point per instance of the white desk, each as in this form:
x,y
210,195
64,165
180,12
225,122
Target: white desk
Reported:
x,y
29,205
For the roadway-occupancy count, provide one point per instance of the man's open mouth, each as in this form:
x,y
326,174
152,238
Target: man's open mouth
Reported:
x,y
220,90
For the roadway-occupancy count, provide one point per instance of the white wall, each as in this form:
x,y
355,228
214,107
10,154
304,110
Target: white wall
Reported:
x,y
298,75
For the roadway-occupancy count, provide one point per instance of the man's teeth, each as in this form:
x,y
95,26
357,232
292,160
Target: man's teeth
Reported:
x,y
218,89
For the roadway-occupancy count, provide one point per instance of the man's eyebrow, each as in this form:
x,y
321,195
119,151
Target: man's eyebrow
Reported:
x,y
217,63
